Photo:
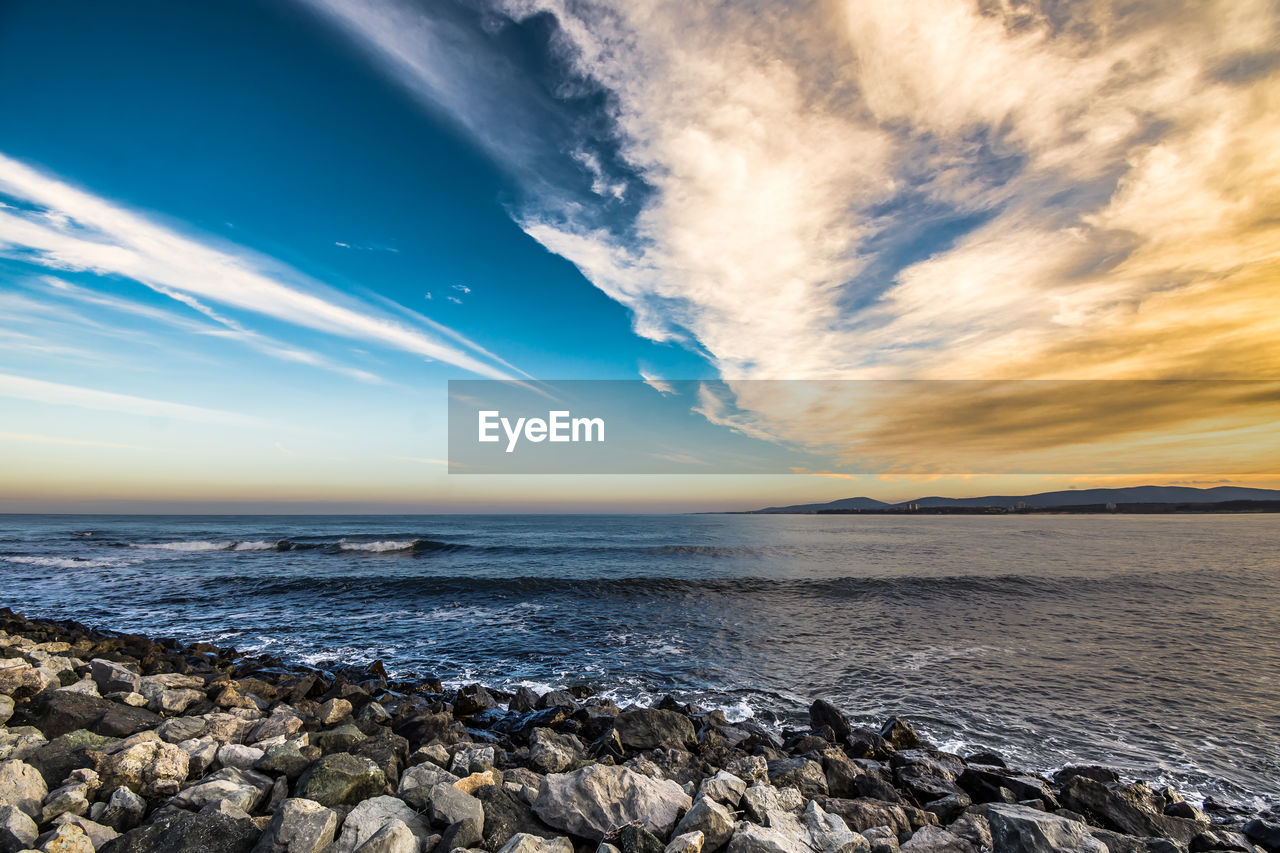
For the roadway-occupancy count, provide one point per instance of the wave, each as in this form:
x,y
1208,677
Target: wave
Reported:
x,y
338,546
68,562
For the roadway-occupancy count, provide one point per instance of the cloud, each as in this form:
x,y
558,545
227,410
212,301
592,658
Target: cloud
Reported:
x,y
69,229
23,388
72,442
462,288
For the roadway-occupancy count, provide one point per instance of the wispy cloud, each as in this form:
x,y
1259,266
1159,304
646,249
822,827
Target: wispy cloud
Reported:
x,y
66,228
27,438
40,391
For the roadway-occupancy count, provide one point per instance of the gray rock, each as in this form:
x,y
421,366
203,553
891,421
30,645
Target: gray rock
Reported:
x,y
98,834
371,815
416,783
22,787
17,830
649,728
760,802
829,833
686,842
69,799
749,768
1119,843
507,814
523,842
471,759
752,838
596,799
882,839
950,807
6,708
202,753
56,759
862,814
449,805
338,739
550,752
187,832
465,833
1128,809
65,838
806,776
723,787
239,755
710,818
932,839
1264,833
123,810
290,758
975,829
243,789
1018,829
341,779
112,677
151,767
178,729
395,837
299,826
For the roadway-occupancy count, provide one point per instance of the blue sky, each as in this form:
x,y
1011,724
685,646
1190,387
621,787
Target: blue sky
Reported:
x,y
243,246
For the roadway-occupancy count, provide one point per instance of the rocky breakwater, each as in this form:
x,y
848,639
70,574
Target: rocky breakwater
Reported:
x,y
125,744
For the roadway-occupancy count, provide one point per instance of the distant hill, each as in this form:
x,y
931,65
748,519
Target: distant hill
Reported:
x,y
1069,497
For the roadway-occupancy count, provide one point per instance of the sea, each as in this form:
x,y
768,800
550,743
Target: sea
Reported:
x,y
1150,644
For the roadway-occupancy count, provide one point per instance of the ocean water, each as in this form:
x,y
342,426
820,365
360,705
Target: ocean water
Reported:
x,y
1151,644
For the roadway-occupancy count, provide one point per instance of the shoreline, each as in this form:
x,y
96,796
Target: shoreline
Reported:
x,y
127,743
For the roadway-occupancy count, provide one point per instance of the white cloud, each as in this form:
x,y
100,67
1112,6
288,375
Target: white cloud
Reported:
x,y
89,233
40,391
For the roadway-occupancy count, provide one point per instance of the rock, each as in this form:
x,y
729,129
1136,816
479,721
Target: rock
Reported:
x,y
1266,834
433,752
984,784
899,734
22,787
395,837
152,768
687,842
289,759
124,810
70,799
802,774
881,839
1119,843
724,788
1018,829
760,802
299,826
506,815
124,720
449,805
98,834
67,838
465,834
1213,839
186,832
416,783
828,833
973,828
369,816
595,799
178,729
17,830
523,842
634,838
949,808
863,813
710,818
387,750
280,723
239,755
550,752
752,838
468,760
202,753
341,779
6,708
56,759
932,839
243,789
1105,775
1129,809
112,677
749,768
338,739
475,781
649,728
823,713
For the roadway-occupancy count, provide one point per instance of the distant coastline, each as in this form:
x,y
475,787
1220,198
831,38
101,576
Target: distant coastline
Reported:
x,y
1161,508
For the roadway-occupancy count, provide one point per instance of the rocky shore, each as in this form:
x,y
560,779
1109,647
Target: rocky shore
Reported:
x,y
131,745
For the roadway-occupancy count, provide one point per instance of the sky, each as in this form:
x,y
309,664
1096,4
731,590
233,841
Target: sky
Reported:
x,y
244,246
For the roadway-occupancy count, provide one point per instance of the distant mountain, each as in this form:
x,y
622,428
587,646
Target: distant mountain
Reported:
x,y
1070,497
843,503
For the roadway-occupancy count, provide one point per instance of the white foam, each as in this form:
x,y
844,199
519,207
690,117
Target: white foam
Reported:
x,y
198,545
256,546
380,546
67,562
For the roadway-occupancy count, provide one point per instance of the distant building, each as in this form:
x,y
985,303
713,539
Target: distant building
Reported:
x,y
1111,506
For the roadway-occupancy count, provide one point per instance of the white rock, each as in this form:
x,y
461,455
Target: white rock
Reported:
x,y
373,814
22,787
595,799
523,842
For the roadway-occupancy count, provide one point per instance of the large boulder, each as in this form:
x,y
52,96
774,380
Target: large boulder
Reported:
x,y
299,826
596,799
712,819
371,815
243,789
804,775
863,813
752,838
151,768
823,713
17,830
395,837
186,832
56,759
1021,829
341,779
523,842
450,805
112,677
650,728
1264,833
507,815
22,787
551,752
933,839
1129,809
416,783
